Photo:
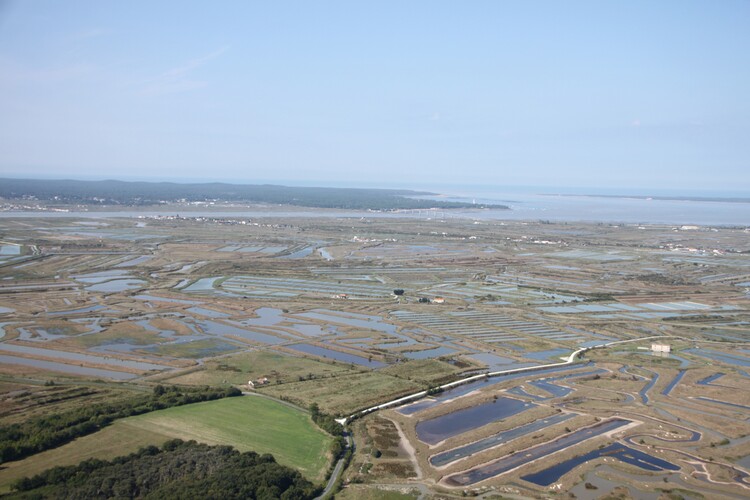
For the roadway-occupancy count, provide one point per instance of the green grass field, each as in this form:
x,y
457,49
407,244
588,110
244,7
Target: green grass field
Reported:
x,y
246,423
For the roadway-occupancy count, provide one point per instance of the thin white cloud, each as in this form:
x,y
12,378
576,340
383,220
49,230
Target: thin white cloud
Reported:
x,y
91,33
178,79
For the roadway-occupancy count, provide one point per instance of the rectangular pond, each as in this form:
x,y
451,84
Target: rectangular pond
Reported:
x,y
546,355
119,285
202,285
441,428
298,254
370,323
10,250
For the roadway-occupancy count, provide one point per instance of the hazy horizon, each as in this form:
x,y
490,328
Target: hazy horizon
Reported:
x,y
640,96
449,189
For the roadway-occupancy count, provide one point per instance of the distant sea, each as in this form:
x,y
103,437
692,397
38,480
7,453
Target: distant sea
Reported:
x,y
593,205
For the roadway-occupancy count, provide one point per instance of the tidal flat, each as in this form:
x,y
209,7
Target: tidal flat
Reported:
x,y
351,313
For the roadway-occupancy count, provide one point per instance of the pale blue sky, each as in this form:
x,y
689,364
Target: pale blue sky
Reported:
x,y
641,94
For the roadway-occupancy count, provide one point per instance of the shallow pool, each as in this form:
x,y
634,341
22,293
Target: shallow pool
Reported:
x,y
441,428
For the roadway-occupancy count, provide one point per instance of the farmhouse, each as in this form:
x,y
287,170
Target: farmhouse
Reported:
x,y
661,348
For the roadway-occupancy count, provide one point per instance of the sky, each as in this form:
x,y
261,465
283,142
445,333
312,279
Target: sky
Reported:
x,y
643,94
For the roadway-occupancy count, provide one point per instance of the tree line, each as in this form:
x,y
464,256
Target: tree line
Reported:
x,y
328,423
20,440
178,470
153,193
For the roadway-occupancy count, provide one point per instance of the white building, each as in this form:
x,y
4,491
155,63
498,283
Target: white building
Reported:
x,y
665,348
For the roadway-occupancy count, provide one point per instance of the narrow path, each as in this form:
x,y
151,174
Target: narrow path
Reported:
x,y
337,470
409,449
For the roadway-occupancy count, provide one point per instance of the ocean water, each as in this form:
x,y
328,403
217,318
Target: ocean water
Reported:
x,y
546,204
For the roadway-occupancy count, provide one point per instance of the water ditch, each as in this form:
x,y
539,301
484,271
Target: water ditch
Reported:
x,y
100,276
337,355
615,450
299,254
673,383
222,329
153,298
710,379
76,311
202,285
207,312
720,356
447,457
136,261
644,392
516,460
65,368
726,403
80,358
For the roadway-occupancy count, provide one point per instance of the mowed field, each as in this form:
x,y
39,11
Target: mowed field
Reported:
x,y
345,394
246,423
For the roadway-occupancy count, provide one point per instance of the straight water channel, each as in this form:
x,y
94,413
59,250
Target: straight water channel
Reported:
x,y
615,450
82,358
720,356
673,383
62,367
500,438
511,462
710,379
